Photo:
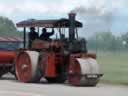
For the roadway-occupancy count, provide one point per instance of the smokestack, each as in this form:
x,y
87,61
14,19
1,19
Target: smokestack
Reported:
x,y
72,16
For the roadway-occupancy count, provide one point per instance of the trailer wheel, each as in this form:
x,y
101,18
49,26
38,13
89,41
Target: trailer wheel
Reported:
x,y
27,67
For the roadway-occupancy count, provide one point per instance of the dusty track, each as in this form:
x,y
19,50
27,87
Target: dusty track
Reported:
x,y
10,87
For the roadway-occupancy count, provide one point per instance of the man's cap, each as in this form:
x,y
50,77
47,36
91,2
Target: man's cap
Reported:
x,y
32,28
44,29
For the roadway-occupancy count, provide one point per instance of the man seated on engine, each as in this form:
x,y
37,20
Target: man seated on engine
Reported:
x,y
45,35
32,35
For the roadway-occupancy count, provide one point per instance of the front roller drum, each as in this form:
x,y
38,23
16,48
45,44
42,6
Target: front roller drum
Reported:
x,y
27,67
84,74
80,80
74,75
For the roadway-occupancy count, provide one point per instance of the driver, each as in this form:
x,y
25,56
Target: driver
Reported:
x,y
45,35
32,35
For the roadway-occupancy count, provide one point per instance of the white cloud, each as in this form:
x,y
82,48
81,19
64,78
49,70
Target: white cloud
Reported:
x,y
15,8
4,11
33,7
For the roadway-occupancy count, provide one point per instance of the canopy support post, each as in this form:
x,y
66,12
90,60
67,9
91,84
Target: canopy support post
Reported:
x,y
24,37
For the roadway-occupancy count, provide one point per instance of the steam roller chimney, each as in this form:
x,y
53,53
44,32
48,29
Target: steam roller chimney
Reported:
x,y
72,16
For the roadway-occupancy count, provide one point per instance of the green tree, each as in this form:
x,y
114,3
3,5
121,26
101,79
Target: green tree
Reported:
x,y
7,28
104,41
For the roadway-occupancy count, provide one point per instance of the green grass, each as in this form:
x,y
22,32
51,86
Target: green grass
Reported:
x,y
114,67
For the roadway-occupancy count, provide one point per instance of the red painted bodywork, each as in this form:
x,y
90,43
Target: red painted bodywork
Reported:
x,y
50,66
53,59
7,57
48,63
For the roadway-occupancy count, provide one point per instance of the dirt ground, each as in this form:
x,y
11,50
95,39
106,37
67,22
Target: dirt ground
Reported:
x,y
11,87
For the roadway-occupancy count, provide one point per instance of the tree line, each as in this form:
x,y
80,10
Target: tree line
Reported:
x,y
8,28
106,41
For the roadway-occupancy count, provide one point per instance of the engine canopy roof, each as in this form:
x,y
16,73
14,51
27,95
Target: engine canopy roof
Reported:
x,y
56,23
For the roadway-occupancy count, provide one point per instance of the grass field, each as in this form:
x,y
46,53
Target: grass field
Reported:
x,y
114,66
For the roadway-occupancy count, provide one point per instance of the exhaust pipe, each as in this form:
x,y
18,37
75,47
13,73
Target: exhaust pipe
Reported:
x,y
72,26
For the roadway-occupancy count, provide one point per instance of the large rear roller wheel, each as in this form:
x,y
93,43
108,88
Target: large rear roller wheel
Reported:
x,y
27,67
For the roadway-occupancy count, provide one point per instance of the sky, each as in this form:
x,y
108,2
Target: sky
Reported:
x,y
94,14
